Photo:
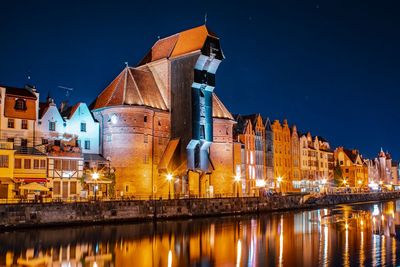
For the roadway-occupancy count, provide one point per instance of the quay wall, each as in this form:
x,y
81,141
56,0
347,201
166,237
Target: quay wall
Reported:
x,y
45,214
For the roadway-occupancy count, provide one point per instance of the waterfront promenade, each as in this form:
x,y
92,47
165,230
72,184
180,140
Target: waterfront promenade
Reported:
x,y
94,212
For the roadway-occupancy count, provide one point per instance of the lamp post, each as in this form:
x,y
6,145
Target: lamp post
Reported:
x,y
95,176
169,179
323,182
279,180
237,180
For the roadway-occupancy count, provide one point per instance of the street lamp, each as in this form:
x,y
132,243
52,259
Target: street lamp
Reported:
x,y
237,180
279,180
169,179
95,176
323,182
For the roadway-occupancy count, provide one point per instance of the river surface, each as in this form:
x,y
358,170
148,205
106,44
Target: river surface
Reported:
x,y
345,235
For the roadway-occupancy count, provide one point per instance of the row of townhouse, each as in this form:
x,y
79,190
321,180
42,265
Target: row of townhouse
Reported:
x,y
45,149
277,155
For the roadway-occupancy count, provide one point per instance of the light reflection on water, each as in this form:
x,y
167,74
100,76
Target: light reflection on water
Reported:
x,y
356,235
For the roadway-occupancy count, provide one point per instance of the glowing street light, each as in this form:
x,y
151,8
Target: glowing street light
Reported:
x,y
237,181
345,182
323,181
95,176
169,179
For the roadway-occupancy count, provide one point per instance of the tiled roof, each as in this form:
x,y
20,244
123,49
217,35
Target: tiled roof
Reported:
x,y
23,92
178,44
132,87
219,110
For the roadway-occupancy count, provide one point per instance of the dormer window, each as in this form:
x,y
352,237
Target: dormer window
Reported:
x,y
20,104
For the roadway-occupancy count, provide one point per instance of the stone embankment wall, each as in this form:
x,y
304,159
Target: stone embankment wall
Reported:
x,y
29,215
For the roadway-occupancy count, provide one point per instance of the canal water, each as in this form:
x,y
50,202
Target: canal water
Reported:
x,y
345,235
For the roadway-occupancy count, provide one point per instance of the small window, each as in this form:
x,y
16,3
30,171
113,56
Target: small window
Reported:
x,y
57,142
24,142
17,164
145,118
10,140
57,164
78,143
42,164
52,126
87,144
159,123
83,127
146,159
24,124
146,138
10,123
3,161
36,164
20,104
126,188
45,141
72,188
27,163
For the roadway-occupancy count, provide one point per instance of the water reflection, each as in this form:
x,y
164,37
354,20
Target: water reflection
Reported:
x,y
360,235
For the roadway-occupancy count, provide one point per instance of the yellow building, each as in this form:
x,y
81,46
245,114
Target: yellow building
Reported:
x,y
354,169
30,166
6,170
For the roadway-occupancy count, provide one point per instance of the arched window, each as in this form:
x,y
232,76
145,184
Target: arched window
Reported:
x,y
20,104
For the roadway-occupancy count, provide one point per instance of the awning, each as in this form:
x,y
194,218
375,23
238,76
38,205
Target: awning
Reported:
x,y
168,154
33,187
31,180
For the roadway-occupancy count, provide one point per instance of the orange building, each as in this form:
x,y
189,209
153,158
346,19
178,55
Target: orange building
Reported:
x,y
354,169
286,155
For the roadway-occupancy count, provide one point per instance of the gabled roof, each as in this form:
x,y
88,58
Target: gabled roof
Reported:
x,y
21,92
132,87
69,112
219,110
352,154
178,44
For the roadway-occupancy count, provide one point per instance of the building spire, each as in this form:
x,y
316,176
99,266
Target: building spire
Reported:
x,y
205,18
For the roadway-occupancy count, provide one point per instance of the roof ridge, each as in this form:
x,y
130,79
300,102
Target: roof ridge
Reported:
x,y
136,87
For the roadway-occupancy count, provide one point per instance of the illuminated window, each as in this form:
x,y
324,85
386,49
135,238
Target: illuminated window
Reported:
x,y
20,104
72,187
57,164
56,188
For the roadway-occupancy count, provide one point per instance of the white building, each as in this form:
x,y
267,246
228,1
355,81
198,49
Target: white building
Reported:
x,y
80,122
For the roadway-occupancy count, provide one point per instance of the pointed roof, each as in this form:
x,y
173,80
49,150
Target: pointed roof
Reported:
x,y
179,44
132,87
219,110
268,126
69,112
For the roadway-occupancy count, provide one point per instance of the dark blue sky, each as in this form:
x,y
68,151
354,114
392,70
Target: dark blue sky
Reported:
x,y
332,67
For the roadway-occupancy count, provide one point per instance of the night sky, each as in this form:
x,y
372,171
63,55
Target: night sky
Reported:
x,y
330,67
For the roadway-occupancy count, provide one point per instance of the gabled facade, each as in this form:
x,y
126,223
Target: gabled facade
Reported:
x,y
353,166
269,153
18,115
282,156
382,170
316,160
250,131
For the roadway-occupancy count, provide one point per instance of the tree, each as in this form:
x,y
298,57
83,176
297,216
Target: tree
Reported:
x,y
337,174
